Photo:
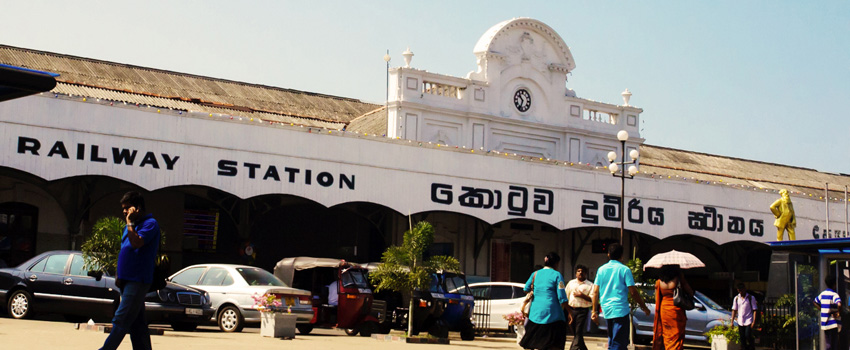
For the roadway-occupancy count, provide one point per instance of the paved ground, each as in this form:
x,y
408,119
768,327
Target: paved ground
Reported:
x,y
55,334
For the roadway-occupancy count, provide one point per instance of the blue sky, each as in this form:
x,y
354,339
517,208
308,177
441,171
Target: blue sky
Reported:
x,y
760,80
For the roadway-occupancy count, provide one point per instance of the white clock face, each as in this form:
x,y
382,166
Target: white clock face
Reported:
x,y
522,100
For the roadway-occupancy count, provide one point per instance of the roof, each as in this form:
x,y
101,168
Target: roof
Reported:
x,y
373,123
179,91
739,172
19,82
285,269
161,88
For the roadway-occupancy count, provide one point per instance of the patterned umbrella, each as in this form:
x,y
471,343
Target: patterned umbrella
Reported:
x,y
684,260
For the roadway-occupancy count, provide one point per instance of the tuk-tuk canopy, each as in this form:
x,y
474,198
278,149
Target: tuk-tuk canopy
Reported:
x,y
285,269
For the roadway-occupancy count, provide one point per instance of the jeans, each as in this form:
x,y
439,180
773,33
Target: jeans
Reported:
x,y
618,333
130,317
578,327
747,340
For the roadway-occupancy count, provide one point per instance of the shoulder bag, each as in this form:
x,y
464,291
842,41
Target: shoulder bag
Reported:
x,y
526,304
682,299
161,267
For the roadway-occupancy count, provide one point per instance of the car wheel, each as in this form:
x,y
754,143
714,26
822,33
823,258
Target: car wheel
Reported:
x,y
184,327
467,334
230,319
20,304
304,328
351,331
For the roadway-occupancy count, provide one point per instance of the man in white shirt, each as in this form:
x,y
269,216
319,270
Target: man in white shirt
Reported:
x,y
333,294
578,291
745,312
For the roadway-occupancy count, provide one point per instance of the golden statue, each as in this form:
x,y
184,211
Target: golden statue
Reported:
x,y
783,210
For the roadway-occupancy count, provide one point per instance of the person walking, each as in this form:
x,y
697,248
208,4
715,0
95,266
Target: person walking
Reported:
x,y
829,303
614,282
546,327
578,291
139,245
670,320
744,313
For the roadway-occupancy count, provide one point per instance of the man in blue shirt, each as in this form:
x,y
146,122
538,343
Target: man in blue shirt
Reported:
x,y
139,245
614,282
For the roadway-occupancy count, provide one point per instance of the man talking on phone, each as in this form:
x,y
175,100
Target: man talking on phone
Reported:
x,y
139,245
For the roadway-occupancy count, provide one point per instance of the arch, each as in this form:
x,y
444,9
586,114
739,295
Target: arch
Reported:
x,y
486,44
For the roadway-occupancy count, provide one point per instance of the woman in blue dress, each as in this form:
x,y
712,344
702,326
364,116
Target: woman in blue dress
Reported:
x,y
546,327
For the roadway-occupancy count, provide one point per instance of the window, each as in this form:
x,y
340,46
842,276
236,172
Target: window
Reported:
x,y
259,277
480,292
190,276
214,277
519,292
502,292
354,278
56,264
39,266
77,266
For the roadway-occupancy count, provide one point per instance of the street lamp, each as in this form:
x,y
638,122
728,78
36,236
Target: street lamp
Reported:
x,y
615,168
387,59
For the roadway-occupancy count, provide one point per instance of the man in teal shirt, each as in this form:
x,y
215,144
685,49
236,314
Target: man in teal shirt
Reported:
x,y
614,283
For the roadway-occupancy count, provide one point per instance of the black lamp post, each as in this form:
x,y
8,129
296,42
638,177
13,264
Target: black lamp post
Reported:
x,y
623,136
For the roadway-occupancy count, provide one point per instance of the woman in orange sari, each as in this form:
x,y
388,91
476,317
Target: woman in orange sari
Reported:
x,y
670,320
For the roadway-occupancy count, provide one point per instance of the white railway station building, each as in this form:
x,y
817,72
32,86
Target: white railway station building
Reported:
x,y
508,164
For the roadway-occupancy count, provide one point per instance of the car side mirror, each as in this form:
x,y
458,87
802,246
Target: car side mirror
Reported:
x,y
96,274
699,306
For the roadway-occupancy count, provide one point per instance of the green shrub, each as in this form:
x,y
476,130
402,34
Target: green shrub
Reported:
x,y
727,330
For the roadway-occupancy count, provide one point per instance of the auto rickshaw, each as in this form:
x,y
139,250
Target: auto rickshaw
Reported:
x,y
460,303
354,311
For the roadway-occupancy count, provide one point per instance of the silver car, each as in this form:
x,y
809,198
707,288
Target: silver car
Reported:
x,y
232,289
702,318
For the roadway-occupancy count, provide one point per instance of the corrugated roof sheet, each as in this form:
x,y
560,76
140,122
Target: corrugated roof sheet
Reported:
x,y
186,87
735,171
374,122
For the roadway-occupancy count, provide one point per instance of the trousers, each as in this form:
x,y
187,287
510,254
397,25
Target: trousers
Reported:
x,y
578,327
130,318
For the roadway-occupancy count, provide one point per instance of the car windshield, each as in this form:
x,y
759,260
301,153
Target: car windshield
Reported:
x,y
354,278
456,283
259,277
708,302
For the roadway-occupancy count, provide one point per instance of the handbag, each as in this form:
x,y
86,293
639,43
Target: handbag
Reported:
x,y
526,304
682,299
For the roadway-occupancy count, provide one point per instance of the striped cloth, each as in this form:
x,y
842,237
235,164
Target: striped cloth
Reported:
x,y
828,301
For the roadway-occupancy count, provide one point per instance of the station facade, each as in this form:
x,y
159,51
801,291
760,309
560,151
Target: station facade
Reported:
x,y
507,163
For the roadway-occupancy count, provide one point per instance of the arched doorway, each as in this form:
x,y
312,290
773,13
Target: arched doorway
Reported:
x,y
18,229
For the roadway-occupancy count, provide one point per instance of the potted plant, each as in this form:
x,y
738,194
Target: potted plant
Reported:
x,y
724,337
275,320
516,320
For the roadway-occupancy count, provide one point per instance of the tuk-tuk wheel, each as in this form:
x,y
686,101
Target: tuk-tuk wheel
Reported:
x,y
351,331
366,329
304,328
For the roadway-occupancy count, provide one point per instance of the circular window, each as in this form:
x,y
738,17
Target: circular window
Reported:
x,y
522,100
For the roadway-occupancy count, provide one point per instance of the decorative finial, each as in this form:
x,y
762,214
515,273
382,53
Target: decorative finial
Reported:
x,y
626,96
407,57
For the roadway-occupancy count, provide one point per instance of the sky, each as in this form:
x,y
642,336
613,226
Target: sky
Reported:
x,y
759,80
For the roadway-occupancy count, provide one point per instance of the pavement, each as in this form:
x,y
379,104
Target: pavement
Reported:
x,y
55,334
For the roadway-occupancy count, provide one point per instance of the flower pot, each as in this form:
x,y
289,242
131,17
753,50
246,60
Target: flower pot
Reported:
x,y
277,324
520,332
719,342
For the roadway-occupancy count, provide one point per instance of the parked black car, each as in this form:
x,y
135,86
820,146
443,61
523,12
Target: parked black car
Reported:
x,y
55,283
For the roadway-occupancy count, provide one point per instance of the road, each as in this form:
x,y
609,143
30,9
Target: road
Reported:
x,y
46,333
